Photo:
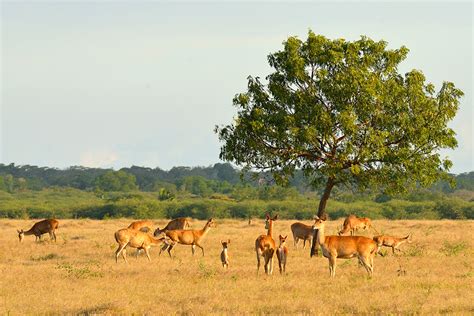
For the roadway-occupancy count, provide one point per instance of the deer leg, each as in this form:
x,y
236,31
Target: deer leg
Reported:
x,y
258,260
295,240
266,262
332,266
169,249
117,252
201,249
271,264
54,234
279,261
124,254
304,243
147,254
51,236
163,248
193,248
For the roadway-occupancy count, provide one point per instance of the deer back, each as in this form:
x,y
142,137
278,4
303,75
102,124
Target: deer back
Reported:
x,y
349,246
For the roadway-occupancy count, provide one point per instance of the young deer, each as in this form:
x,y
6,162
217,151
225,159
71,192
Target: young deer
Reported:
x,y
42,227
301,231
225,254
353,223
128,237
177,223
188,237
282,253
144,226
265,246
345,247
390,241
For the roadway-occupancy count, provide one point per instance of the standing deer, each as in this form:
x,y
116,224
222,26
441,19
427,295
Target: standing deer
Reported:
x,y
127,237
225,254
265,246
390,241
301,231
188,237
144,226
345,247
177,223
45,226
282,253
353,223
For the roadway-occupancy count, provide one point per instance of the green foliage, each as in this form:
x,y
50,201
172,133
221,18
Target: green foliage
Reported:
x,y
113,181
340,112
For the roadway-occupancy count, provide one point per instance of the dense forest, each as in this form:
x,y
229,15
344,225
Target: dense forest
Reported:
x,y
219,190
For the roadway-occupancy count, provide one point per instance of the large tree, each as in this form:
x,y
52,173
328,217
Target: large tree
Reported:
x,y
341,112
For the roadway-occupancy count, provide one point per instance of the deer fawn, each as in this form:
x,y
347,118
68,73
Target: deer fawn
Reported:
x,y
265,246
390,241
345,247
127,237
40,228
282,253
188,237
353,223
144,226
301,231
225,254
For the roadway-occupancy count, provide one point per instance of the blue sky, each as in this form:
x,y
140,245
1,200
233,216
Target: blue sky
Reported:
x,y
114,84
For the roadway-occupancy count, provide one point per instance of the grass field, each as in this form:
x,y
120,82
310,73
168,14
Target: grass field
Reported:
x,y
78,274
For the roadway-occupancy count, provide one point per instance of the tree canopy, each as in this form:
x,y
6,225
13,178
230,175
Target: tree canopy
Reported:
x,y
341,112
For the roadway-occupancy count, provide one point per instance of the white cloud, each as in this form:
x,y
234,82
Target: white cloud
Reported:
x,y
98,158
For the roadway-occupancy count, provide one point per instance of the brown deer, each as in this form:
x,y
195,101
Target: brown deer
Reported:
x,y
301,231
282,254
133,238
225,254
345,247
265,246
42,227
390,241
353,223
145,226
177,223
188,237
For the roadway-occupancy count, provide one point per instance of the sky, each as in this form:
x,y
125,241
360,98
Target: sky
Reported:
x,y
114,84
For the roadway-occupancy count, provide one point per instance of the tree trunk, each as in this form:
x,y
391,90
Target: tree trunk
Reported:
x,y
322,212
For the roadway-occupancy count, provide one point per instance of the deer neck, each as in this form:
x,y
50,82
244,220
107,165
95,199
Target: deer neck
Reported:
x,y
321,237
270,228
28,232
205,229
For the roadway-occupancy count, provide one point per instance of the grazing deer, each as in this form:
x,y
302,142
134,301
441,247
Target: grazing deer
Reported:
x,y
177,223
42,227
353,223
282,253
188,237
265,246
301,231
345,247
144,226
127,237
390,241
224,254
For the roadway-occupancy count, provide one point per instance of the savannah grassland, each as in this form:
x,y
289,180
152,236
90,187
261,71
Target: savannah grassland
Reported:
x,y
78,274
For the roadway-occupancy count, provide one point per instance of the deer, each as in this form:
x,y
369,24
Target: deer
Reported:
x,y
133,238
301,231
225,254
282,254
265,246
145,226
345,247
177,223
188,237
353,223
390,241
38,229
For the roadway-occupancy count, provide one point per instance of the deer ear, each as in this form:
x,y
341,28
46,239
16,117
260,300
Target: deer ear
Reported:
x,y
267,216
280,236
18,231
286,236
315,217
275,217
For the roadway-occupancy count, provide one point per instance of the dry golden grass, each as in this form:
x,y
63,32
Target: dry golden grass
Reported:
x,y
78,274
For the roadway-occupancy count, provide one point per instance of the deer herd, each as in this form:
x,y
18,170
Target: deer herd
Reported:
x,y
138,235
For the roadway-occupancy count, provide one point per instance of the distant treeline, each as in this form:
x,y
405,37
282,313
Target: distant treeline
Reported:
x,y
200,192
